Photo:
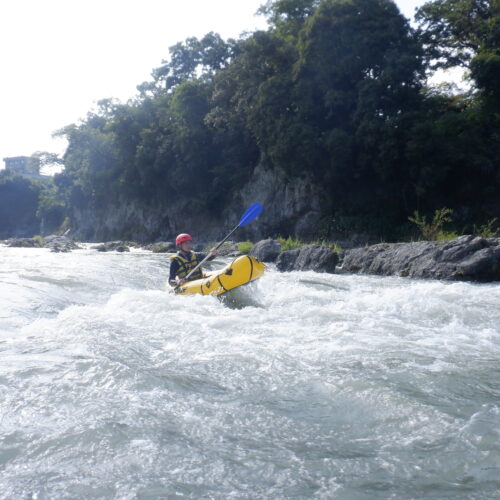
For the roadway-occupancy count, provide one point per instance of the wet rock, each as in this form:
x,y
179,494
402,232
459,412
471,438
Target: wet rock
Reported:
x,y
317,258
235,254
54,242
227,249
59,243
466,258
112,246
266,250
161,247
25,242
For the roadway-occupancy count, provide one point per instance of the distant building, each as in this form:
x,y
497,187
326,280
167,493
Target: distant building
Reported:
x,y
28,166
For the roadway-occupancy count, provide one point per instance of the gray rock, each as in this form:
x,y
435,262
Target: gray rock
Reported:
x,y
59,243
24,242
112,246
55,242
266,250
317,258
466,258
308,226
227,249
235,254
161,247
291,205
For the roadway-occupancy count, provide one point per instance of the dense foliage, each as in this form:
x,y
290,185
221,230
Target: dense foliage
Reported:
x,y
18,206
335,89
28,206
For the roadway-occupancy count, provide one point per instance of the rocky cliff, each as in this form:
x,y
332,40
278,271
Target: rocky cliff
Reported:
x,y
290,207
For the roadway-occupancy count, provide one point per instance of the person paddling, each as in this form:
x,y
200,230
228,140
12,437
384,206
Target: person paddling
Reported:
x,y
185,260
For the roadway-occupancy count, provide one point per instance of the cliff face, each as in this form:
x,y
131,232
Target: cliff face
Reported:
x,y
290,207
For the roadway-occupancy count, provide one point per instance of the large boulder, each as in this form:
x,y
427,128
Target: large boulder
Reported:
x,y
59,243
317,258
266,250
465,258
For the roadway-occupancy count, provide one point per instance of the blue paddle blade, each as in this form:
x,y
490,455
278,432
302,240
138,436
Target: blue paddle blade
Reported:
x,y
250,214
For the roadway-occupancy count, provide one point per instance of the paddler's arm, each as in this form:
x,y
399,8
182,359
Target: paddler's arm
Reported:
x,y
213,254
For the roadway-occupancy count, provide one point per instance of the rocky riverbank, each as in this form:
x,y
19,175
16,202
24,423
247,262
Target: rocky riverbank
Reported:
x,y
467,258
54,242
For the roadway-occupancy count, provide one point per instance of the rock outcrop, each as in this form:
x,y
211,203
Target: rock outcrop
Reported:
x,y
317,258
112,246
227,249
161,247
24,242
266,250
465,258
291,206
54,242
59,243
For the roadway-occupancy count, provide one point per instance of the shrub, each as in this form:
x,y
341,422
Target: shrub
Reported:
x,y
433,231
446,235
335,247
289,243
245,246
486,230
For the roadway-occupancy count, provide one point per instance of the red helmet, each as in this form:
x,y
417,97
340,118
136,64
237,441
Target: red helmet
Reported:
x,y
182,238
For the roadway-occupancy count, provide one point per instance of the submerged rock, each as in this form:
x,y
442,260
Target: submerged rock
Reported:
x,y
266,250
466,258
317,258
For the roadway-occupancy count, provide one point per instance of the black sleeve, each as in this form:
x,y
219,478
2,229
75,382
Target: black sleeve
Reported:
x,y
174,268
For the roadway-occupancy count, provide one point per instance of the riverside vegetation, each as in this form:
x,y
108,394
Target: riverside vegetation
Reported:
x,y
334,91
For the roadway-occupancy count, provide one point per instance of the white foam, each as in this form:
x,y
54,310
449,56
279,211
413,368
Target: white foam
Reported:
x,y
323,380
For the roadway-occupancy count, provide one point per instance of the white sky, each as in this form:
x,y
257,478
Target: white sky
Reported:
x,y
58,57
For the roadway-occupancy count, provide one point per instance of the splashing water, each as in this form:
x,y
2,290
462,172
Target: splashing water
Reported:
x,y
299,385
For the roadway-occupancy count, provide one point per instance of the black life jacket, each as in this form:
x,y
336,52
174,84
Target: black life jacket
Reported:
x,y
186,265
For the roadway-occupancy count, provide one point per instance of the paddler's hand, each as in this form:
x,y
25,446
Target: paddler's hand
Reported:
x,y
181,282
213,252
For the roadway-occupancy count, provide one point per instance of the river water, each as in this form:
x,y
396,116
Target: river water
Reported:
x,y
300,385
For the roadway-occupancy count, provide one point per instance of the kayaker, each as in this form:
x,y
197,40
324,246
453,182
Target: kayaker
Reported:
x,y
185,260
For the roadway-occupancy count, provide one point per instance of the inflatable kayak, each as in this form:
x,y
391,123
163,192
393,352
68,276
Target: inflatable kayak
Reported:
x,y
241,271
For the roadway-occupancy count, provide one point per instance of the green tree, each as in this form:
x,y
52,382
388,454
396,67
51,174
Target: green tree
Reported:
x,y
464,33
18,206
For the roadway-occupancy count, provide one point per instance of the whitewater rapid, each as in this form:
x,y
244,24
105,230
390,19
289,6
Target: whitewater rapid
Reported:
x,y
299,385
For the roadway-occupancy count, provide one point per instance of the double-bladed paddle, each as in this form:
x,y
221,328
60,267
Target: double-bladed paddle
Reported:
x,y
250,214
